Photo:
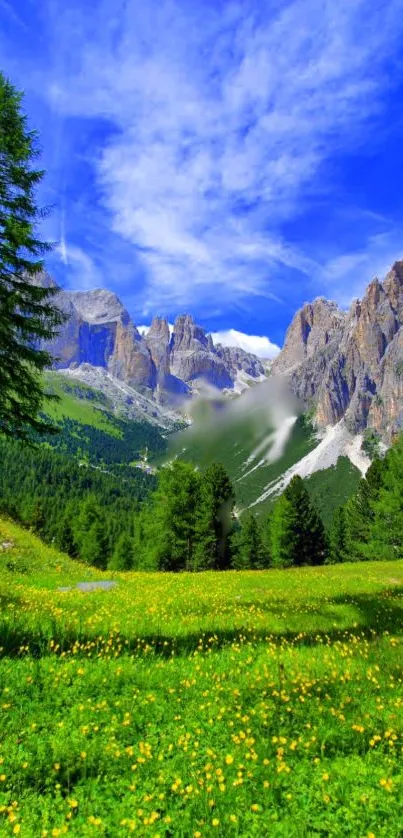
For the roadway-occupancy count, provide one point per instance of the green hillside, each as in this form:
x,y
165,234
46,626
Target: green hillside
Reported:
x,y
79,402
90,430
233,445
233,704
332,487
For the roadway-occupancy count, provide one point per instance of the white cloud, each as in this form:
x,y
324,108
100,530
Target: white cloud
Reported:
x,y
81,271
260,346
222,118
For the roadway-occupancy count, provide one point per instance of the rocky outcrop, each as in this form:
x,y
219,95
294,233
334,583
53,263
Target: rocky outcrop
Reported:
x,y
130,360
193,355
351,364
157,342
315,328
237,360
100,332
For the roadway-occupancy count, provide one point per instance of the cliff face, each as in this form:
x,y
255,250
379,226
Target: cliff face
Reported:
x,y
351,364
314,329
237,360
193,355
100,332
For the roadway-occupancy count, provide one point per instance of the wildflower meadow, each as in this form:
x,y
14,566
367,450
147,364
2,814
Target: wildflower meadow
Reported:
x,y
265,703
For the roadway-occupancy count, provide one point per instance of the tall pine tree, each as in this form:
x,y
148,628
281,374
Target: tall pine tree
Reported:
x,y
385,537
337,538
214,520
94,546
298,534
122,556
168,523
359,512
249,552
27,315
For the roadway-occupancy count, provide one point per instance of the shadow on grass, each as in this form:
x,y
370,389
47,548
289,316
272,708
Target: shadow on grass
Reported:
x,y
376,614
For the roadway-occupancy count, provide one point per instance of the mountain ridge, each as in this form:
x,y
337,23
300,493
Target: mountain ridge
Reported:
x,y
100,332
350,364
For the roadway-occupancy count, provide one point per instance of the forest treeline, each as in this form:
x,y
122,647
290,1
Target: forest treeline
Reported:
x,y
57,497
131,439
185,519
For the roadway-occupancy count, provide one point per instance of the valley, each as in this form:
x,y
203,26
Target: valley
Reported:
x,y
201,420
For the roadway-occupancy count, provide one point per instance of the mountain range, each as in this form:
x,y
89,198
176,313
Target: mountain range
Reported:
x,y
339,364
100,334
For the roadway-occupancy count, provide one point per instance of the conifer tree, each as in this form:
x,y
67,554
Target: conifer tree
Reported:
x,y
337,538
168,525
385,537
214,520
266,539
122,557
37,518
298,534
94,546
359,512
249,552
284,533
27,315
65,538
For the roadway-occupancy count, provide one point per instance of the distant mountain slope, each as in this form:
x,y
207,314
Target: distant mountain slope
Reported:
x,y
91,429
263,442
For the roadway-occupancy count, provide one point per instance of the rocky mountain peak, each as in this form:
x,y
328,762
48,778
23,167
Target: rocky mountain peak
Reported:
x,y
314,325
157,342
99,306
99,332
187,336
159,330
393,286
351,365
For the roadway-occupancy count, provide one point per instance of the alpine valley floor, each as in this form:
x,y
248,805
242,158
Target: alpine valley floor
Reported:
x,y
237,704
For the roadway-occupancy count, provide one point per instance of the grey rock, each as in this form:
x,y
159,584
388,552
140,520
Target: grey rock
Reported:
x,y
237,360
193,358
351,364
100,332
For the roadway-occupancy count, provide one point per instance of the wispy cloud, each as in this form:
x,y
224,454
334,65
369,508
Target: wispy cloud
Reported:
x,y
347,275
218,123
81,273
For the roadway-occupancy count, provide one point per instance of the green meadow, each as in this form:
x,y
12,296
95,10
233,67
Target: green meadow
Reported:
x,y
265,703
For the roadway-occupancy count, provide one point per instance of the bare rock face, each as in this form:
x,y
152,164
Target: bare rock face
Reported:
x,y
313,328
100,332
238,360
131,360
65,348
98,306
193,356
351,365
157,341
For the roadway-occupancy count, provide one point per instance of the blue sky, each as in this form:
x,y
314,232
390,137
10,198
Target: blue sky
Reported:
x,y
228,159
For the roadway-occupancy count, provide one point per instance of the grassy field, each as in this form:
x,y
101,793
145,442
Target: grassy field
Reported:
x,y
239,704
79,402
